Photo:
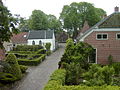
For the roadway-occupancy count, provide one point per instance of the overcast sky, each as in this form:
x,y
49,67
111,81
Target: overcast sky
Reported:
x,y
25,7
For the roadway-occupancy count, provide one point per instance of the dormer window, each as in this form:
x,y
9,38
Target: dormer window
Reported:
x,y
102,36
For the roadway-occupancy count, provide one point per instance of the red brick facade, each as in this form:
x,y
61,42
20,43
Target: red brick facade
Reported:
x,y
2,54
105,47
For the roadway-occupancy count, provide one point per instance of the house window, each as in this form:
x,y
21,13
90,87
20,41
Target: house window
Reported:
x,y
118,36
102,36
40,42
33,42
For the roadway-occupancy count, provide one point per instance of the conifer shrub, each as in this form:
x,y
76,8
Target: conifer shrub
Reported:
x,y
116,66
98,76
14,66
23,68
56,79
47,46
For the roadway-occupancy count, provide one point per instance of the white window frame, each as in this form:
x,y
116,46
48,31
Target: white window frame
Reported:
x,y
116,36
102,36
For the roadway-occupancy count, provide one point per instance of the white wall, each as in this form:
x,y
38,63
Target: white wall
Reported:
x,y
43,42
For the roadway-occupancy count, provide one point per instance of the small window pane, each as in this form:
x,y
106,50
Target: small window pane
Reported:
x,y
104,36
33,42
118,36
99,36
40,42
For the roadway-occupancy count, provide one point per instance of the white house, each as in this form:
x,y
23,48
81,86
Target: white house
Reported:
x,y
41,37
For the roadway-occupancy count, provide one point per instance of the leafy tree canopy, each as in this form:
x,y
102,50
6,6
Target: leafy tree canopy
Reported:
x,y
74,15
7,25
38,20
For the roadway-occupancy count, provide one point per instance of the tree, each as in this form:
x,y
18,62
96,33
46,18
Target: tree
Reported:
x,y
74,15
53,23
23,25
38,20
7,25
14,66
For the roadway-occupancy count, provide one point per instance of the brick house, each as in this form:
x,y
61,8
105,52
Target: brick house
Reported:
x,y
2,54
105,38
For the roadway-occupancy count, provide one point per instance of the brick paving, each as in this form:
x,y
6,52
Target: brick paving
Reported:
x,y
38,76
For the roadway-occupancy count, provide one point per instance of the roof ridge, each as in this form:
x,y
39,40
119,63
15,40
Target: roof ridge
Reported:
x,y
97,24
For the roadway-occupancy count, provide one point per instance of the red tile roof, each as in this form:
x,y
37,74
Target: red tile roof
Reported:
x,y
85,27
19,38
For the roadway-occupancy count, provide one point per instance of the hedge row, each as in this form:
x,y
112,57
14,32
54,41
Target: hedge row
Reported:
x,y
22,52
57,80
116,66
27,48
85,88
31,62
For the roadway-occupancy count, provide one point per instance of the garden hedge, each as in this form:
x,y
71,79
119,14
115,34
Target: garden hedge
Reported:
x,y
27,48
6,78
22,52
57,79
31,62
41,51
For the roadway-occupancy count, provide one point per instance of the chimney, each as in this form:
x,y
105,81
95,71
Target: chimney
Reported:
x,y
116,9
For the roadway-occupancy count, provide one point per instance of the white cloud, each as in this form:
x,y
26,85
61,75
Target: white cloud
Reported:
x,y
25,7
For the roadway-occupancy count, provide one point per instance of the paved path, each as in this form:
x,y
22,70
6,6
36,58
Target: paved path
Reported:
x,y
39,75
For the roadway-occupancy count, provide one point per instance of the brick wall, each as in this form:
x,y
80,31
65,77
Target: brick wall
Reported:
x,y
2,54
105,47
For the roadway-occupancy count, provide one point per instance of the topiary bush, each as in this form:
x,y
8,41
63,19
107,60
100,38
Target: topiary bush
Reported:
x,y
14,66
47,46
56,79
98,76
23,68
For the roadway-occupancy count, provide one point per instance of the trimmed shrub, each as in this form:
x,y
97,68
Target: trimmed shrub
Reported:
x,y
14,66
6,78
48,53
27,48
85,88
98,76
23,68
31,62
47,46
116,66
56,79
41,51
21,52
